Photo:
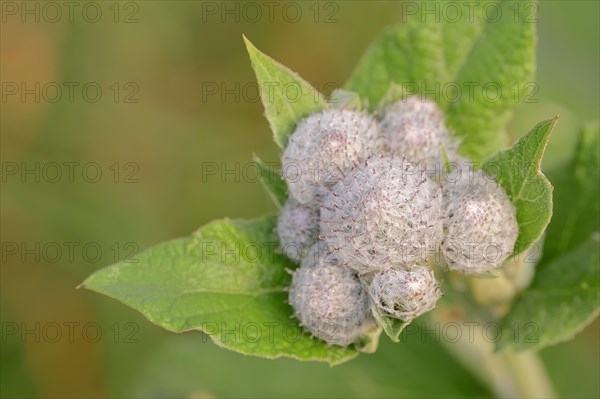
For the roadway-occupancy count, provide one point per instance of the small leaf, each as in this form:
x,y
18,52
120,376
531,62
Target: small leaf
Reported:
x,y
287,97
227,280
576,197
518,171
270,177
391,326
476,67
344,99
563,298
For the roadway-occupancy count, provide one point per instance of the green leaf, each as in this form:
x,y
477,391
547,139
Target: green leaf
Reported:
x,y
227,280
460,37
576,197
391,326
270,177
287,97
408,54
563,298
462,64
501,62
344,99
518,171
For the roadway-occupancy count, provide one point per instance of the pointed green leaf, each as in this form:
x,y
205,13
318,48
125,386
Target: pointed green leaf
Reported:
x,y
518,171
391,326
564,295
287,97
576,197
270,177
408,54
477,66
563,298
500,67
227,280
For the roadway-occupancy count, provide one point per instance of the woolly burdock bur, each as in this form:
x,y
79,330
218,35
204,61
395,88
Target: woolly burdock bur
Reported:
x,y
481,224
323,146
329,299
384,212
415,128
297,228
405,293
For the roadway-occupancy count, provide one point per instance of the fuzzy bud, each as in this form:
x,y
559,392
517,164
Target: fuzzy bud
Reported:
x,y
383,212
298,228
405,293
329,299
481,225
414,128
323,146
418,105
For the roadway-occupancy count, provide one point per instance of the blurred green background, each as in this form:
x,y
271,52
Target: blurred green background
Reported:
x,y
165,55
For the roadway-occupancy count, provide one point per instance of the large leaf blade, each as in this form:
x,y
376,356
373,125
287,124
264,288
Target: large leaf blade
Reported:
x,y
477,67
227,280
564,295
500,65
406,54
576,197
563,298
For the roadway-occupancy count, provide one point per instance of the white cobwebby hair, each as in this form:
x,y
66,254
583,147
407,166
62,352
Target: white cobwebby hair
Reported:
x,y
323,146
481,224
415,128
383,212
298,228
405,293
329,299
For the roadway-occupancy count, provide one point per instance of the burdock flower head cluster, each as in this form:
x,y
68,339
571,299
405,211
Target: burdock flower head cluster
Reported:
x,y
365,217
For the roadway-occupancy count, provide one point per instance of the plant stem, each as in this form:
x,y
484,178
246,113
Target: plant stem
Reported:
x,y
507,374
529,375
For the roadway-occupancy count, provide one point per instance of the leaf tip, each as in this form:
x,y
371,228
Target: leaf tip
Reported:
x,y
250,47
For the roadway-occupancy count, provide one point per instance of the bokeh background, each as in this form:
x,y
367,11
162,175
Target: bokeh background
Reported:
x,y
155,125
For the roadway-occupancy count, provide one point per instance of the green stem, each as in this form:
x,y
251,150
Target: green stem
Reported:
x,y
507,374
529,375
